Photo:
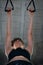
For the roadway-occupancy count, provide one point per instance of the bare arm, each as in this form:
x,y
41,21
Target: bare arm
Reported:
x,y
8,33
30,45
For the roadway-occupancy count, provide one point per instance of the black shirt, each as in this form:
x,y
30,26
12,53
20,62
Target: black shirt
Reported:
x,y
18,52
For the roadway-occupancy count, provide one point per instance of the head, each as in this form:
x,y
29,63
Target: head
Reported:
x,y
17,42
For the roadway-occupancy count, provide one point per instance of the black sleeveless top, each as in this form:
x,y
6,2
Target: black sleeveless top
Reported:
x,y
18,52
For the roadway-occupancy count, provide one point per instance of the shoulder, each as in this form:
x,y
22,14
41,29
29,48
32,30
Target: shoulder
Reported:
x,y
28,51
8,52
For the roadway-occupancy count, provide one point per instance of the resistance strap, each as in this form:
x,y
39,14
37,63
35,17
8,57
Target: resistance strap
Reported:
x,y
7,10
32,1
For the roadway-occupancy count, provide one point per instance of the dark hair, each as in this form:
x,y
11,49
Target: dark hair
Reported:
x,y
15,39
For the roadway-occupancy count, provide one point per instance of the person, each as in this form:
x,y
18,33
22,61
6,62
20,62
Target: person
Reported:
x,y
15,50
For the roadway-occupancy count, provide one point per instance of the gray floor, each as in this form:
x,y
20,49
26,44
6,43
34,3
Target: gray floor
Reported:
x,y
20,20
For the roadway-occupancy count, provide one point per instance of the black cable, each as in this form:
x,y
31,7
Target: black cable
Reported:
x,y
34,5
32,1
6,5
6,10
12,5
29,4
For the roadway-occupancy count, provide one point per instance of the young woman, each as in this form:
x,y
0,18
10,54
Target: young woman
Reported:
x,y
15,50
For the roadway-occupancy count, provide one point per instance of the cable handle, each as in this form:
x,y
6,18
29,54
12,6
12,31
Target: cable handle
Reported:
x,y
9,9
32,1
